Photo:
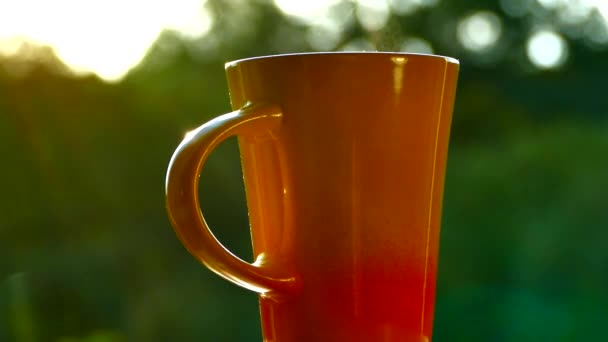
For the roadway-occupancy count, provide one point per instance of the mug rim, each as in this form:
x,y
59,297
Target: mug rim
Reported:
x,y
448,59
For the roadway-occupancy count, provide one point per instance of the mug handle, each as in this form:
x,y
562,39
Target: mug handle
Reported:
x,y
183,206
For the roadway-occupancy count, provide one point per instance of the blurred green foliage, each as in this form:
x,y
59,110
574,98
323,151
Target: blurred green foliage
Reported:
x,y
87,253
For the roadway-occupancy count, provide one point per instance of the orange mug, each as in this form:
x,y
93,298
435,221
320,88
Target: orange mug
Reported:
x,y
344,158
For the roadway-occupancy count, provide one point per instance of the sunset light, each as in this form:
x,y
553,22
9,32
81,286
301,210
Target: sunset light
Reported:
x,y
104,37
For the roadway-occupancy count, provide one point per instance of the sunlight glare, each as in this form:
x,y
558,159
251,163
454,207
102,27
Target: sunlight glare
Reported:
x,y
107,37
547,49
10,46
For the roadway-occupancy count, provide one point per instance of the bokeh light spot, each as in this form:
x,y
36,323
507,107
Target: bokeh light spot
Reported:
x,y
358,44
575,12
547,49
479,31
416,45
324,36
551,4
602,8
305,11
597,32
410,6
373,14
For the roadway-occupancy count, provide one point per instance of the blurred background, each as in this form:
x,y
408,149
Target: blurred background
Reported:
x,y
96,95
